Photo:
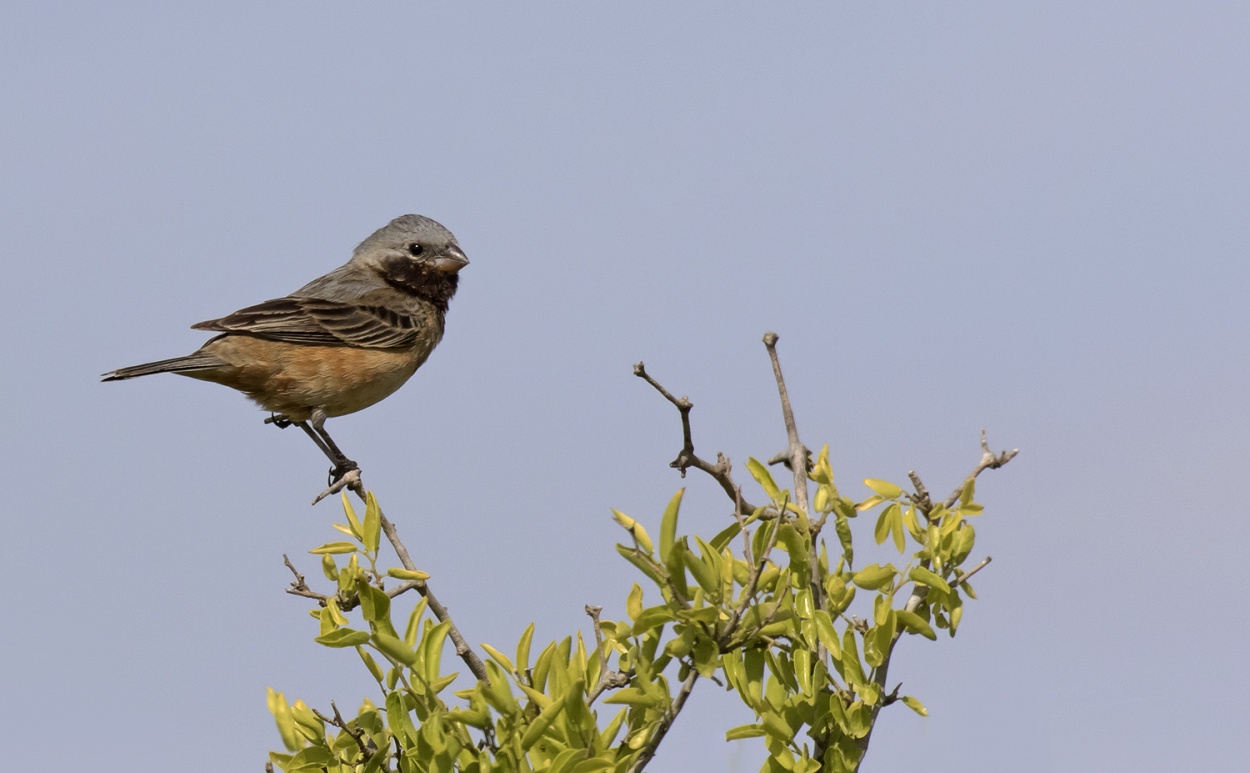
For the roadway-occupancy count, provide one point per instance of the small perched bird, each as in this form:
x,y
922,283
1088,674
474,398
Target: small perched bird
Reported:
x,y
340,343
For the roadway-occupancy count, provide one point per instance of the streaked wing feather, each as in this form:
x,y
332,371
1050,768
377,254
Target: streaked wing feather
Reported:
x,y
319,321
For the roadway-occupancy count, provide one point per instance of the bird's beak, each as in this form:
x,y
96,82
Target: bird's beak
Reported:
x,y
451,260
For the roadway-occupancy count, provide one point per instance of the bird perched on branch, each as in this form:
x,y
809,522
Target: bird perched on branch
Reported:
x,y
340,343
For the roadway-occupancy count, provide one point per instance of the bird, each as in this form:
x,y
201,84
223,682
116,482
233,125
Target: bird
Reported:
x,y
340,343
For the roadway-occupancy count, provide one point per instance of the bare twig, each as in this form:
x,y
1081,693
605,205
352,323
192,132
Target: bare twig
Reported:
x,y
686,458
608,679
350,479
989,461
357,734
965,576
299,587
796,451
653,743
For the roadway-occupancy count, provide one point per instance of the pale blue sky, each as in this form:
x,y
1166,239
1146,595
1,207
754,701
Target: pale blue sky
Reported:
x,y
1025,217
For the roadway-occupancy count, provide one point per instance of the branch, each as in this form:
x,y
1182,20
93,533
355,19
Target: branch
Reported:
x,y
964,577
666,723
358,734
299,587
463,649
989,461
607,678
796,452
686,458
350,479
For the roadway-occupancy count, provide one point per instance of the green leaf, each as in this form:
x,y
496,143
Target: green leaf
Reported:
x,y
334,548
821,471
645,565
343,637
827,634
883,487
281,711
499,658
885,522
914,623
926,577
375,605
633,603
874,576
371,664
896,529
744,731
764,478
869,503
432,649
373,524
350,512
394,648
668,524
407,574
632,696
523,648
915,705
540,724
635,530
726,534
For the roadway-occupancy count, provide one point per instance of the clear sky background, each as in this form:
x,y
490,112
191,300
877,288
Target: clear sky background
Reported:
x,y
1031,218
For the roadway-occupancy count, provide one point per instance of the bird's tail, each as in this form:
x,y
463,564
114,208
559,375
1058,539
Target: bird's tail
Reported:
x,y
174,365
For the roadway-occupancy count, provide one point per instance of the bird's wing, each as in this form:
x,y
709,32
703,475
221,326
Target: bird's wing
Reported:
x,y
319,321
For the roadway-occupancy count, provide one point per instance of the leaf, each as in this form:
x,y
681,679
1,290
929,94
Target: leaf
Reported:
x,y
632,696
281,711
926,577
374,669
874,576
821,471
523,648
375,605
869,503
407,574
896,529
499,658
744,731
883,487
914,623
827,634
668,524
350,512
633,603
394,648
635,530
343,637
334,548
764,478
371,532
885,523
915,705
540,724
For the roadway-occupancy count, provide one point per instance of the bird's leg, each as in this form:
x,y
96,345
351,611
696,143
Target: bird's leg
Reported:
x,y
342,465
317,439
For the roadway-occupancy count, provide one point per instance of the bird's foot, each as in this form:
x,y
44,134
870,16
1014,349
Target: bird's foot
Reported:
x,y
279,420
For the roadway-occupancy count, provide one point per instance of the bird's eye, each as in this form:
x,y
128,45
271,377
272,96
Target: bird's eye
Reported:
x,y
415,250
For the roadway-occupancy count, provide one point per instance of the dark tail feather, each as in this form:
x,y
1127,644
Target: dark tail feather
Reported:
x,y
174,365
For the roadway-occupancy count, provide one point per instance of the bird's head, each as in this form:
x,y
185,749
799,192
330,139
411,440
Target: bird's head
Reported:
x,y
410,244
